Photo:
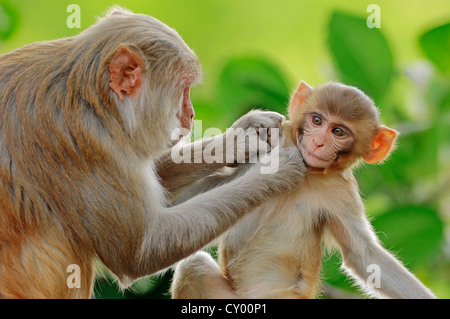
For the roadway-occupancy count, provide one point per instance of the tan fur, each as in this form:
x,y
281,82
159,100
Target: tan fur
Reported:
x,y
275,252
77,160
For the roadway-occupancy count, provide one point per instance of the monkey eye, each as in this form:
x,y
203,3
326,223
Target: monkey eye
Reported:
x,y
316,120
339,131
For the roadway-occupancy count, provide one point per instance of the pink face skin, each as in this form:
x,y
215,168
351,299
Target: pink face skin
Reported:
x,y
322,139
186,115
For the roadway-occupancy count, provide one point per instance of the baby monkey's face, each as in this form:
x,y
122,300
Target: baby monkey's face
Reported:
x,y
322,139
335,126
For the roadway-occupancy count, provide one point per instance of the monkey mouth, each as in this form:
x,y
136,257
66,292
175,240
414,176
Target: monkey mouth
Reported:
x,y
313,169
307,155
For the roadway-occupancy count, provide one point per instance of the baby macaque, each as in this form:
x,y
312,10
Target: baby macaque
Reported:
x,y
276,251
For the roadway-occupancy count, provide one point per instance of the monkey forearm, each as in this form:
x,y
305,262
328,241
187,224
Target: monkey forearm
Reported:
x,y
366,259
180,176
383,273
222,177
177,176
394,280
197,222
186,164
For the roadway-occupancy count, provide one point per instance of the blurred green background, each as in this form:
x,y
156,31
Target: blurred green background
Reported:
x,y
255,52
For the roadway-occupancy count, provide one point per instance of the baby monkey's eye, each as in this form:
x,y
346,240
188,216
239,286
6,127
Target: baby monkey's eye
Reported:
x,y
338,131
316,120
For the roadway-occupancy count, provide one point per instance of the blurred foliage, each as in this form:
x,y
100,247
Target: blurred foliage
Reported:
x,y
246,82
436,43
408,197
361,55
8,20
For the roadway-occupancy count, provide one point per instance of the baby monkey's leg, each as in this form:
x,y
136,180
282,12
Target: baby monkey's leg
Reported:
x,y
199,277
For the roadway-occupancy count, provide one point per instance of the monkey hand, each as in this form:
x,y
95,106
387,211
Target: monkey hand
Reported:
x,y
283,169
255,133
261,122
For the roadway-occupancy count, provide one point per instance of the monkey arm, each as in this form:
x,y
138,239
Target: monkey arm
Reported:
x,y
366,259
175,232
175,177
221,177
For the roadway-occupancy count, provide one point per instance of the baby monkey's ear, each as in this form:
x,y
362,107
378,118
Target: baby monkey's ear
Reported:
x,y
381,145
299,97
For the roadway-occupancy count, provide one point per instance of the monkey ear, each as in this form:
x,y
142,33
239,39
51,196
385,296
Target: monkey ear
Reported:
x,y
381,145
126,72
303,91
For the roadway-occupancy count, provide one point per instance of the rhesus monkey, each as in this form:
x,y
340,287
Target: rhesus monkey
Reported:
x,y
275,252
83,122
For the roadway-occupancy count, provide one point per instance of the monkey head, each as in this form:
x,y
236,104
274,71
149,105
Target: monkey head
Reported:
x,y
149,71
336,125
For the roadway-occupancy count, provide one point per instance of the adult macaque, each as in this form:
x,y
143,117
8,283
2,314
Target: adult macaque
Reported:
x,y
83,120
275,252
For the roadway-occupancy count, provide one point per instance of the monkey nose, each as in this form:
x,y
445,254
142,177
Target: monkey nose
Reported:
x,y
318,144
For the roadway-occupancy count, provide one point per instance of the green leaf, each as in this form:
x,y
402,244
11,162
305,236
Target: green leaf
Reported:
x,y
246,83
361,54
435,43
8,20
